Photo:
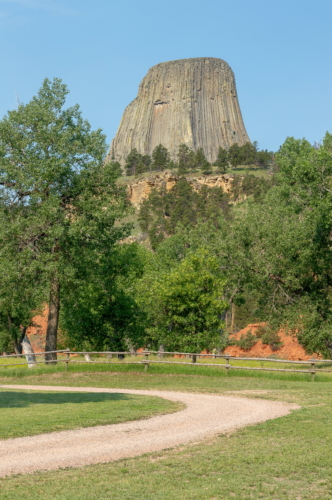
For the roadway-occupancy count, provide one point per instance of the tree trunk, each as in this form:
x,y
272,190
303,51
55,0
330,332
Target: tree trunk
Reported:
x,y
28,351
18,343
233,316
53,320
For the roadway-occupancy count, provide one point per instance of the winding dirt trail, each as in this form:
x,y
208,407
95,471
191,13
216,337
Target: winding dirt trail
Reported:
x,y
205,415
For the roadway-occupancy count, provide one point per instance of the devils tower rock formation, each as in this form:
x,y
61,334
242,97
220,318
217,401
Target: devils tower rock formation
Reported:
x,y
191,101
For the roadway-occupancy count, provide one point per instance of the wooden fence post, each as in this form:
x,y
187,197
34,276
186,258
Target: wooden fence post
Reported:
x,y
313,368
227,363
67,358
194,358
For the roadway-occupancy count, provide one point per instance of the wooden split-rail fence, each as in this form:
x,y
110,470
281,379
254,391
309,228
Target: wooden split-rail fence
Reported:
x,y
69,357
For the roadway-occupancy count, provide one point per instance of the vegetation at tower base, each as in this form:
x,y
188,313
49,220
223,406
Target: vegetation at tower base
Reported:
x,y
188,161
59,204
163,211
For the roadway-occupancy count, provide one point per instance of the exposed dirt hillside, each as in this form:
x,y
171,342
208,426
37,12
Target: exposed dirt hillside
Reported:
x,y
37,333
290,348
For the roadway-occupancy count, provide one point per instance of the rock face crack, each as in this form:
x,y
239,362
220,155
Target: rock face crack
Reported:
x,y
190,101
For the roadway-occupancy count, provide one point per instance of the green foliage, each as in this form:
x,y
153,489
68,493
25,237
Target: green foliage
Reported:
x,y
160,158
248,154
282,245
185,305
99,309
250,185
58,201
163,211
247,341
132,161
222,160
201,162
115,167
234,155
186,159
272,339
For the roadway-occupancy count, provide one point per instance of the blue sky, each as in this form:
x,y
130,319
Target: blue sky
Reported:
x,y
280,52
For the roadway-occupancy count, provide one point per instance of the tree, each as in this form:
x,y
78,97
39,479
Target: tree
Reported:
x,y
222,160
201,162
21,292
160,158
100,312
140,169
116,168
248,154
187,305
234,155
58,200
132,161
281,246
186,158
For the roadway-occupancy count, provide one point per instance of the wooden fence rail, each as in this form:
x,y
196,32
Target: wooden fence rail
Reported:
x,y
146,361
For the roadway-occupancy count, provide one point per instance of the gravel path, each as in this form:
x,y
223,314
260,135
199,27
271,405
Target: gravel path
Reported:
x,y
205,415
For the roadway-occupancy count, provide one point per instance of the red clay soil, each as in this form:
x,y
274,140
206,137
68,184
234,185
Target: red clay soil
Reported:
x,y
290,348
37,333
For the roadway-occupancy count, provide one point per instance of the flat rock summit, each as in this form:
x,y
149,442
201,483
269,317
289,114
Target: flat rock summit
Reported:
x,y
191,101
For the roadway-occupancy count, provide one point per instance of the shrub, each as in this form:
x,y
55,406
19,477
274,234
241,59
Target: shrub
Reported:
x,y
247,341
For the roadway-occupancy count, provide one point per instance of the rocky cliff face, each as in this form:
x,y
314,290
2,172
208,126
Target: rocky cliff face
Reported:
x,y
140,189
191,101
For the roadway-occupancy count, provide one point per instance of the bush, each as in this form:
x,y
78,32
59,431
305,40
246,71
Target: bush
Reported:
x,y
272,339
247,341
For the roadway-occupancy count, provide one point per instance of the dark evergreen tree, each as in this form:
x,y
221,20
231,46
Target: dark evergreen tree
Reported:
x,y
133,159
186,158
146,159
201,162
222,160
234,155
248,154
141,168
116,168
160,158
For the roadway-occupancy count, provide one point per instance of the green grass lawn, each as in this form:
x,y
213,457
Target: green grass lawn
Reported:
x,y
287,458
26,413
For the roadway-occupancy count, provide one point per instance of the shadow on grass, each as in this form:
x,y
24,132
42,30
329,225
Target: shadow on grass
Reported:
x,y
20,399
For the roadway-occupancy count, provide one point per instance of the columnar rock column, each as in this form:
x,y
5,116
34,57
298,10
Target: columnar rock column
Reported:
x,y
191,101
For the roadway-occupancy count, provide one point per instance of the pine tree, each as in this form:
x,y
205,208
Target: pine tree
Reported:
x,y
234,155
133,159
222,160
160,158
140,169
202,163
186,159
